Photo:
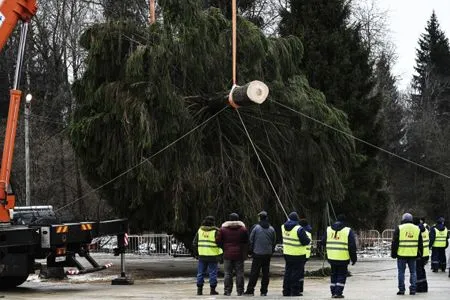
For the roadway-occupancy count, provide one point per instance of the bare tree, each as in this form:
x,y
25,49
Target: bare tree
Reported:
x,y
373,22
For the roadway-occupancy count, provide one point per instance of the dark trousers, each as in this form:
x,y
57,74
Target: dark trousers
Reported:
x,y
302,278
294,271
211,268
401,268
338,278
438,259
259,262
236,266
421,283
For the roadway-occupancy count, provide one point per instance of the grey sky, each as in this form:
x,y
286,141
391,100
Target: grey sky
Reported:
x,y
408,19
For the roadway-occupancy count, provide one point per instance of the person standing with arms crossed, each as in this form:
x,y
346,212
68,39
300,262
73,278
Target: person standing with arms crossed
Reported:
x,y
262,245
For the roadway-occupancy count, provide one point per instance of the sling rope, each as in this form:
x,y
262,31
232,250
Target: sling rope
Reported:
x,y
143,161
261,163
234,67
234,39
363,141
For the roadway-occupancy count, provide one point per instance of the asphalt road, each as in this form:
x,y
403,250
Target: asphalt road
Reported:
x,y
174,278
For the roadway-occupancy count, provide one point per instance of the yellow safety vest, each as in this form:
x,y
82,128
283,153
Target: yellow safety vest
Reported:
x,y
337,244
441,238
207,245
308,247
426,243
291,243
408,240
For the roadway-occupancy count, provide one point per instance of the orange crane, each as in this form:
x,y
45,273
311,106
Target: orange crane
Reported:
x,y
34,232
11,12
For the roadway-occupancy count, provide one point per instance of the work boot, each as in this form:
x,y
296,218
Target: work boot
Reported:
x,y
199,290
213,291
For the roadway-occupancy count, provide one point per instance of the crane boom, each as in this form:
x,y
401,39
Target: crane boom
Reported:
x,y
11,11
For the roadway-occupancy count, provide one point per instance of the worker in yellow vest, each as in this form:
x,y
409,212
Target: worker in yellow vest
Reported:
x,y
308,229
295,241
438,242
422,284
340,244
407,246
207,251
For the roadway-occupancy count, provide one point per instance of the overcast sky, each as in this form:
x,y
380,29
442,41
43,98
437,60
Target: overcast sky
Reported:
x,y
408,19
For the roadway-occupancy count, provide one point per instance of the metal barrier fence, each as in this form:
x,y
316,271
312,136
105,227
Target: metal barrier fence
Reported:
x,y
146,244
369,243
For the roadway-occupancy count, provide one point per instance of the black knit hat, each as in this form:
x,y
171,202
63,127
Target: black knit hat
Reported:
x,y
303,222
340,218
293,216
234,217
262,215
209,221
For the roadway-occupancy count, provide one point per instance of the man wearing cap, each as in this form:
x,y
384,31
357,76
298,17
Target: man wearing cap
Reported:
x,y
340,244
407,246
438,242
261,245
233,237
295,241
208,253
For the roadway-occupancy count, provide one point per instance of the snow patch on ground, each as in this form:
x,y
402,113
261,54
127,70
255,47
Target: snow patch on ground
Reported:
x,y
83,278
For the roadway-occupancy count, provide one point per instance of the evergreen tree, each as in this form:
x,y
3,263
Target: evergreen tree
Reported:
x,y
391,112
337,63
427,131
153,86
432,80
125,10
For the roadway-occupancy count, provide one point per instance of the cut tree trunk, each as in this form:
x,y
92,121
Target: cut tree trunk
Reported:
x,y
254,92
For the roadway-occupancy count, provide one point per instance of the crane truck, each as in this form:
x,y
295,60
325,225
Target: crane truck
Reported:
x,y
33,233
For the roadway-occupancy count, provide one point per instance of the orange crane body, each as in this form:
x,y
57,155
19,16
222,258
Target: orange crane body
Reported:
x,y
11,11
34,232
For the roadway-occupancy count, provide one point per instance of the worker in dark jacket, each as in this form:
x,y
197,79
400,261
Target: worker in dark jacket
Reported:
x,y
308,229
407,246
261,246
438,242
340,244
295,241
208,253
233,237
422,283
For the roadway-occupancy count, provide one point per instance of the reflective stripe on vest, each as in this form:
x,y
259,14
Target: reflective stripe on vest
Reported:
x,y
308,247
408,240
441,238
337,244
426,243
207,243
291,243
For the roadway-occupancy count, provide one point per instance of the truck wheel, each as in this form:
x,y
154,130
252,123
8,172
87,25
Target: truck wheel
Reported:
x,y
10,282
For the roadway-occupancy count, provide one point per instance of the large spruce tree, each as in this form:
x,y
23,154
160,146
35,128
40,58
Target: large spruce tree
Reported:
x,y
432,81
429,122
337,63
145,87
